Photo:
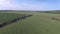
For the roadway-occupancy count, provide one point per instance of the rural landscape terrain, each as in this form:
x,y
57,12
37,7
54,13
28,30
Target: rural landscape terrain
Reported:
x,y
29,22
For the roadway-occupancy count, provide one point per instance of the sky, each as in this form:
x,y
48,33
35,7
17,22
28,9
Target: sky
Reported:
x,y
30,5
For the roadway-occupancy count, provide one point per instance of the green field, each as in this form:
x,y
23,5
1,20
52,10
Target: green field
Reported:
x,y
8,16
39,23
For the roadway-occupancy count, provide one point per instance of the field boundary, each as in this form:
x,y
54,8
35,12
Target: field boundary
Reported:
x,y
14,20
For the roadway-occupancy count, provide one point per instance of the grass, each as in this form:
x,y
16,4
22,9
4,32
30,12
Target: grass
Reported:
x,y
8,16
39,23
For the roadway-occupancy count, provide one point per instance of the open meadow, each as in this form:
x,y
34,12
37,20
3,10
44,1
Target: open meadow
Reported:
x,y
39,23
8,16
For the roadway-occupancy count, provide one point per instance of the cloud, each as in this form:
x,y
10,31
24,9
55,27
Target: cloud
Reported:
x,y
26,5
5,4
9,5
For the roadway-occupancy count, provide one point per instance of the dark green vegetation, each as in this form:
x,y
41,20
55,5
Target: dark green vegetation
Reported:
x,y
52,11
39,23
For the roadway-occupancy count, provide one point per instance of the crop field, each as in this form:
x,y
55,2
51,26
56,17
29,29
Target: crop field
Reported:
x,y
39,23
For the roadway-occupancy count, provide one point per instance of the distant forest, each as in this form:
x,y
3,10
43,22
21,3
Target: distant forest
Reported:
x,y
52,11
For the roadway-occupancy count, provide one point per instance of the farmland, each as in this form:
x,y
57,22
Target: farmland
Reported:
x,y
39,23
